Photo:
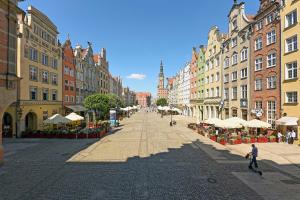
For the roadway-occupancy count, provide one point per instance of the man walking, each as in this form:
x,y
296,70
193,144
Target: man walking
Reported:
x,y
293,136
254,154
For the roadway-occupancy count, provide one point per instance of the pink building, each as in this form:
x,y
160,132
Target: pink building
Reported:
x,y
143,98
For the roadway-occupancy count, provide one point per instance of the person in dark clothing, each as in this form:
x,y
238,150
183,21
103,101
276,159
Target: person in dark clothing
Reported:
x,y
254,154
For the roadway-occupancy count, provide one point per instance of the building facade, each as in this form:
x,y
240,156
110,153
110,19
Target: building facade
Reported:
x,y
213,74
201,83
143,99
129,97
69,75
193,82
115,85
9,81
290,59
265,58
102,72
162,92
236,64
79,64
186,88
39,65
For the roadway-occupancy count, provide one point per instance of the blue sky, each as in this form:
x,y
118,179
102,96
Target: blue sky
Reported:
x,y
139,33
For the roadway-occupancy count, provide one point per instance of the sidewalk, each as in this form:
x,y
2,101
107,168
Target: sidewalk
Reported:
x,y
282,156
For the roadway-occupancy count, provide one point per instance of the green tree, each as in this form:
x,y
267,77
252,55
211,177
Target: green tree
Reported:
x,y
102,103
162,102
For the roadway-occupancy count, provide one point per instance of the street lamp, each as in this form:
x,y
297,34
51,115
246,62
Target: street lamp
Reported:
x,y
171,107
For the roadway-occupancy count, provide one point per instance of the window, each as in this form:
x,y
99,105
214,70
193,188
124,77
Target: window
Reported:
x,y
217,92
226,62
270,18
234,24
258,105
226,94
33,54
54,79
71,83
54,63
271,59
259,25
212,92
234,58
217,61
258,64
71,72
33,93
66,85
212,78
291,71
45,59
33,74
291,97
291,44
271,82
45,77
258,43
234,113
226,78
244,54
234,93
54,95
271,113
291,19
45,94
271,37
244,73
66,98
234,76
217,76
234,42
207,80
66,69
207,93
258,84
244,92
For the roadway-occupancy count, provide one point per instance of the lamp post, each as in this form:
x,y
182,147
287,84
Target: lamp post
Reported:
x,y
171,122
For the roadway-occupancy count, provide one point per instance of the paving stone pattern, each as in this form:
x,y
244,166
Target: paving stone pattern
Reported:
x,y
144,159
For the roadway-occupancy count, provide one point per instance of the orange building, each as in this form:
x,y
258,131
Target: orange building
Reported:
x,y
69,75
143,98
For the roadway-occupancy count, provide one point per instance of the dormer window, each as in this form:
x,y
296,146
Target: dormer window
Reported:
x,y
234,24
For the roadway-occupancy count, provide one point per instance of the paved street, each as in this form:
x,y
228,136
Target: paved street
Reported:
x,y
144,159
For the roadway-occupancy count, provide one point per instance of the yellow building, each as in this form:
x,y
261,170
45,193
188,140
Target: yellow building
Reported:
x,y
39,65
290,58
213,74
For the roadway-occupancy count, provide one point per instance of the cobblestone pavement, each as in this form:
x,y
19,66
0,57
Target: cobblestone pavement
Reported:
x,y
144,159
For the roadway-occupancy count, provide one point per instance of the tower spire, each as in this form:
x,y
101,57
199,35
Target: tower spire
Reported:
x,y
161,67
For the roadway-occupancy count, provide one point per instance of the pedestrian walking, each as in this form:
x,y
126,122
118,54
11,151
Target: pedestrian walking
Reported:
x,y
293,136
254,154
287,136
279,136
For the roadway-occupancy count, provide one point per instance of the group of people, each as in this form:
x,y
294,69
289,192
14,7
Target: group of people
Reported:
x,y
290,136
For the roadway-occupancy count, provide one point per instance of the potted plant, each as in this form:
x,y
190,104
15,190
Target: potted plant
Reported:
x,y
213,137
272,138
221,140
262,139
246,140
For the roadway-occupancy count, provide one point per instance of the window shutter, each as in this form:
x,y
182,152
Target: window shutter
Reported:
x,y
39,57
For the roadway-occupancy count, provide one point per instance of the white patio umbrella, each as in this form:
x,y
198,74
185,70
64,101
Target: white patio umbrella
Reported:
x,y
57,119
74,117
166,108
236,120
287,121
258,124
213,121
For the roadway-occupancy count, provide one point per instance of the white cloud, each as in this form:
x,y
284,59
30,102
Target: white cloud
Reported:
x,y
137,76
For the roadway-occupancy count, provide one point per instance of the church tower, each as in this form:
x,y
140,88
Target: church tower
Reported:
x,y
161,77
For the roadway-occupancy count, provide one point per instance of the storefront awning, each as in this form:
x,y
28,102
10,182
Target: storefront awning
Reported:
x,y
77,108
287,121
